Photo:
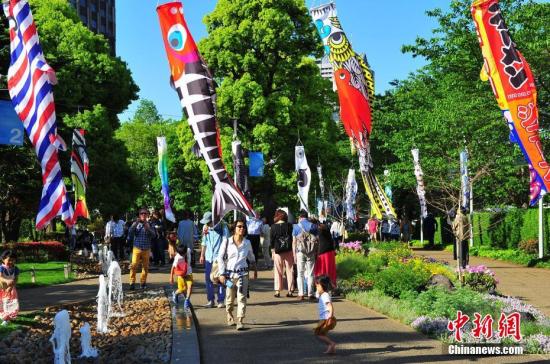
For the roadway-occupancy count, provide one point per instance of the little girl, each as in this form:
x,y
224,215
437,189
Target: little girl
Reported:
x,y
9,303
183,271
327,321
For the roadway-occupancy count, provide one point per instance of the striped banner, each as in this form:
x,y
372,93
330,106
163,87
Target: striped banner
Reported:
x,y
80,166
30,81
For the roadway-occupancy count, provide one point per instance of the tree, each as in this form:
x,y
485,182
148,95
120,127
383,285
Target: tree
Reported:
x,y
444,107
87,76
260,52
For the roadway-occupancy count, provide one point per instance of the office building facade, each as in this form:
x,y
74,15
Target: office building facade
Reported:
x,y
99,17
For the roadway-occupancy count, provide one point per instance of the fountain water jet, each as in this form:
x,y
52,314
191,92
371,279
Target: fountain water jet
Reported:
x,y
115,290
61,338
102,306
88,351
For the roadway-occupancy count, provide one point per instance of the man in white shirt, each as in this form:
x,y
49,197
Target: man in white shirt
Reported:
x,y
114,233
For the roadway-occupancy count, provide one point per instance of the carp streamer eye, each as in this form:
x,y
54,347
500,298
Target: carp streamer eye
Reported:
x,y
177,37
337,38
342,75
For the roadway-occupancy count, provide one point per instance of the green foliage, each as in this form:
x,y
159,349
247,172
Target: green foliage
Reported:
x,y
399,278
444,107
348,265
397,309
260,52
480,282
359,282
23,320
436,302
87,75
46,274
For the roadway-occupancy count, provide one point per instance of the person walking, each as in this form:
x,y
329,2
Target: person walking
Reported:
x,y
159,241
233,258
304,235
254,228
372,228
265,240
405,230
186,233
461,229
395,231
283,257
114,233
327,321
430,227
210,247
141,233
326,261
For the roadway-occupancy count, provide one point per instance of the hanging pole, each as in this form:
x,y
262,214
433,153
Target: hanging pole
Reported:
x,y
234,169
471,217
541,232
421,230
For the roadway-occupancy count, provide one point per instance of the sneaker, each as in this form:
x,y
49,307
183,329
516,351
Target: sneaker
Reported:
x,y
230,320
221,305
175,298
143,286
132,286
210,304
240,325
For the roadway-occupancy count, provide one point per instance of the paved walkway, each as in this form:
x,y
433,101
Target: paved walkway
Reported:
x,y
280,329
33,299
529,284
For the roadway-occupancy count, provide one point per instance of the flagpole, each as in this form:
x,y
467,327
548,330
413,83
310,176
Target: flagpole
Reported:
x,y
234,169
541,232
471,217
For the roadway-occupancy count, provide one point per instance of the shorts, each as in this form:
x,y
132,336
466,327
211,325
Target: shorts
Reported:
x,y
324,326
184,282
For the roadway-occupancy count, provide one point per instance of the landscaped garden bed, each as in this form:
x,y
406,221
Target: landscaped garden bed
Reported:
x,y
143,335
427,295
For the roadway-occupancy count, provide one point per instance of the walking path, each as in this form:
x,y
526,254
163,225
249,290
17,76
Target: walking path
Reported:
x,y
33,299
281,329
529,284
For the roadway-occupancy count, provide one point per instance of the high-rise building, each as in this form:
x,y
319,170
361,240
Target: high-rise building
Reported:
x,y
326,68
99,17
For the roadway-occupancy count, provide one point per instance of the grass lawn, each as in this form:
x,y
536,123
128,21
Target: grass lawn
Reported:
x,y
46,274
21,321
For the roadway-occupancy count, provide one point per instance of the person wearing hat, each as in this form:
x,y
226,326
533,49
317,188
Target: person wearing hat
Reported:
x,y
140,234
210,246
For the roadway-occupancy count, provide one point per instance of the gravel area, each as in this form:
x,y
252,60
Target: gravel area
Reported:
x,y
143,335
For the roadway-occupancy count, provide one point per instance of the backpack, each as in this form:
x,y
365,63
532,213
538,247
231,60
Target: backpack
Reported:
x,y
181,268
284,243
307,243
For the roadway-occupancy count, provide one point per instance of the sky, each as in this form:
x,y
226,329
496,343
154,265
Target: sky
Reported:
x,y
377,28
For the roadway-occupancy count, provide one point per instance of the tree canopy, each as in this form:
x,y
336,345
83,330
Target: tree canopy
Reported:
x,y
444,107
93,87
261,53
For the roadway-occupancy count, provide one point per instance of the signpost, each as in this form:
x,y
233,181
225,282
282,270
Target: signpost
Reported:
x,y
11,127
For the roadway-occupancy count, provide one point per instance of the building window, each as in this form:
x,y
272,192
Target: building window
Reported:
x,y
94,24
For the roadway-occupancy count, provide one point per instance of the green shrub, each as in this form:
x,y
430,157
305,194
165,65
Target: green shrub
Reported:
x,y
348,265
480,282
378,260
401,277
378,301
436,302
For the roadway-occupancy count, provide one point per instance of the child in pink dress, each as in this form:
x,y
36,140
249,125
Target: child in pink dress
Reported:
x,y
9,303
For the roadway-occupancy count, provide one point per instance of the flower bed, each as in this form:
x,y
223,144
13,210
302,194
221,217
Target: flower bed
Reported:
x,y
392,281
38,251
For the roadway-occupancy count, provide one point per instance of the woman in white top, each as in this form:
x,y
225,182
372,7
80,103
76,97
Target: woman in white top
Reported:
x,y
233,266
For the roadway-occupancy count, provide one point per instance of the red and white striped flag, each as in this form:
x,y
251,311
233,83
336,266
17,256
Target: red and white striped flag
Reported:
x,y
30,81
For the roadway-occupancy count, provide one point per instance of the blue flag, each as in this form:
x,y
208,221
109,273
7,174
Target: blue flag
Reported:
x,y
256,164
11,127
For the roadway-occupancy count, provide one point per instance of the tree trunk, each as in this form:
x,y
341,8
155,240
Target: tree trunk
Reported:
x,y
11,225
